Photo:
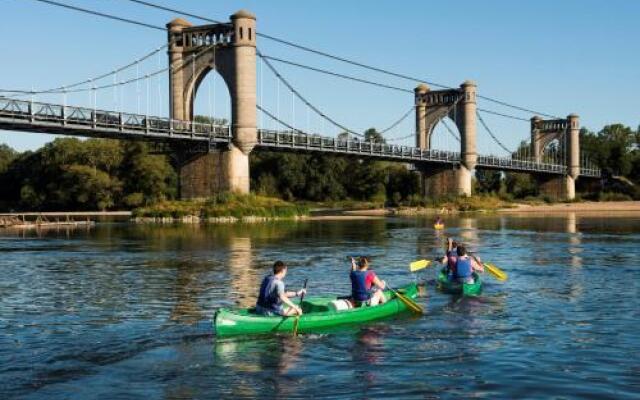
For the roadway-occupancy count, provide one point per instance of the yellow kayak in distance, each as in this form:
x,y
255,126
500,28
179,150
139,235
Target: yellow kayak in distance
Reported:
x,y
438,226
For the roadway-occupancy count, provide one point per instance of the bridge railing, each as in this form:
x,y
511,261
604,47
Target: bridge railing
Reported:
x,y
303,141
30,112
62,119
523,165
591,172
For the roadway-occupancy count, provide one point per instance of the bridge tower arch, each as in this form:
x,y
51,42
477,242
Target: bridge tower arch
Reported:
x,y
460,106
230,49
567,132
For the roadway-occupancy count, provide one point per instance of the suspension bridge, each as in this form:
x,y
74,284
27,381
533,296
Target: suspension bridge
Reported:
x,y
213,156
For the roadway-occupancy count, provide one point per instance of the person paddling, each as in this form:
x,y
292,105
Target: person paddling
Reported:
x,y
466,266
450,258
273,296
366,287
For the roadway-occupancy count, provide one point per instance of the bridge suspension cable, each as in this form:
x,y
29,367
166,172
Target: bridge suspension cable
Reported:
x,y
484,124
397,122
336,74
503,115
278,120
91,80
285,42
344,60
116,83
101,14
303,99
444,122
81,90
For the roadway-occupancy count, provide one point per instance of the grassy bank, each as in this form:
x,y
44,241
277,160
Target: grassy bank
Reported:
x,y
223,207
419,205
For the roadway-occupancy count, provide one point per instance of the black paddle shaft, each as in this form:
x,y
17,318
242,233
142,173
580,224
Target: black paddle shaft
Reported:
x,y
304,286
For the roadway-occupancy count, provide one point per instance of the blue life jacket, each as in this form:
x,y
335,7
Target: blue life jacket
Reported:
x,y
463,267
359,291
268,297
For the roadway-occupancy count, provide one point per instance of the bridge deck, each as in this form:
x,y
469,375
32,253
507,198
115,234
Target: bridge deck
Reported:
x,y
19,115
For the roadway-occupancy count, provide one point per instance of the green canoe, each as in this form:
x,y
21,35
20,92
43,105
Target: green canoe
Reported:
x,y
317,315
465,289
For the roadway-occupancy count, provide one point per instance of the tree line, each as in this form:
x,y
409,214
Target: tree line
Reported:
x,y
93,174
103,174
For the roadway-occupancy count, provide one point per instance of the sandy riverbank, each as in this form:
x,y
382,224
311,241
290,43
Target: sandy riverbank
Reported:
x,y
584,207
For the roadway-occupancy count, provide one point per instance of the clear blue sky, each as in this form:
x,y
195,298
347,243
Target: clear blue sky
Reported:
x,y
555,56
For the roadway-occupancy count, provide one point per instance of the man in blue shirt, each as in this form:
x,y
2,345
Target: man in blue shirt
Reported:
x,y
273,295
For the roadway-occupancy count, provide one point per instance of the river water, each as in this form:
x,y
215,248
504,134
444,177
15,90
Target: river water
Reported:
x,y
124,311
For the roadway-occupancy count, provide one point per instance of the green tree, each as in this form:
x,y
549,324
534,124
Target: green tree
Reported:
x,y
146,178
488,181
203,119
7,155
90,189
372,135
520,185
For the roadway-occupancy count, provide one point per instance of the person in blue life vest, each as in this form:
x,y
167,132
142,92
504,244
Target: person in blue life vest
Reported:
x,y
366,287
273,297
450,257
466,266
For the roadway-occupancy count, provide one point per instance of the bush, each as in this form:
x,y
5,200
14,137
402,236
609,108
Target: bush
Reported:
x,y
612,196
224,205
133,199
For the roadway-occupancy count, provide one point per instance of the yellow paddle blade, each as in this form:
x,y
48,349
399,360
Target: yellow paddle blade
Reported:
x,y
495,271
412,305
418,265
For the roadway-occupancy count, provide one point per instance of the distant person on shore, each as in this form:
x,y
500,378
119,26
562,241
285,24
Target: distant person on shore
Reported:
x,y
273,295
366,287
466,266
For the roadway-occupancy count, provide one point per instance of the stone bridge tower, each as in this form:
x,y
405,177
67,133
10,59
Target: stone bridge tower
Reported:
x,y
230,49
567,132
460,106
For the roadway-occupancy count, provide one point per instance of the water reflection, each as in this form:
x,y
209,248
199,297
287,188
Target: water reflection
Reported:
x,y
129,308
239,265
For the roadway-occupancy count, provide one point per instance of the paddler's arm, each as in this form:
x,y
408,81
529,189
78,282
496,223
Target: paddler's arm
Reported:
x,y
285,300
379,283
353,264
476,263
291,293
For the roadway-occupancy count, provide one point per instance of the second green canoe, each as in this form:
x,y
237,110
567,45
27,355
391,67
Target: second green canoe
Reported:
x,y
317,316
463,289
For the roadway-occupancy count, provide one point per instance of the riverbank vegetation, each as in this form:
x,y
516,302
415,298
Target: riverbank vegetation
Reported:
x,y
101,174
225,206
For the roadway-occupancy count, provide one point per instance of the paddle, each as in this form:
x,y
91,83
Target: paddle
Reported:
x,y
493,270
412,305
295,323
418,265
496,272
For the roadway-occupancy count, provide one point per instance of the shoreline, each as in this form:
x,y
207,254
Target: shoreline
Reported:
x,y
630,208
583,207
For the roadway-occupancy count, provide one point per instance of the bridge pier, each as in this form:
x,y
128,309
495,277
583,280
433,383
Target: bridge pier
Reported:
x,y
204,175
443,181
460,106
559,187
230,49
567,132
